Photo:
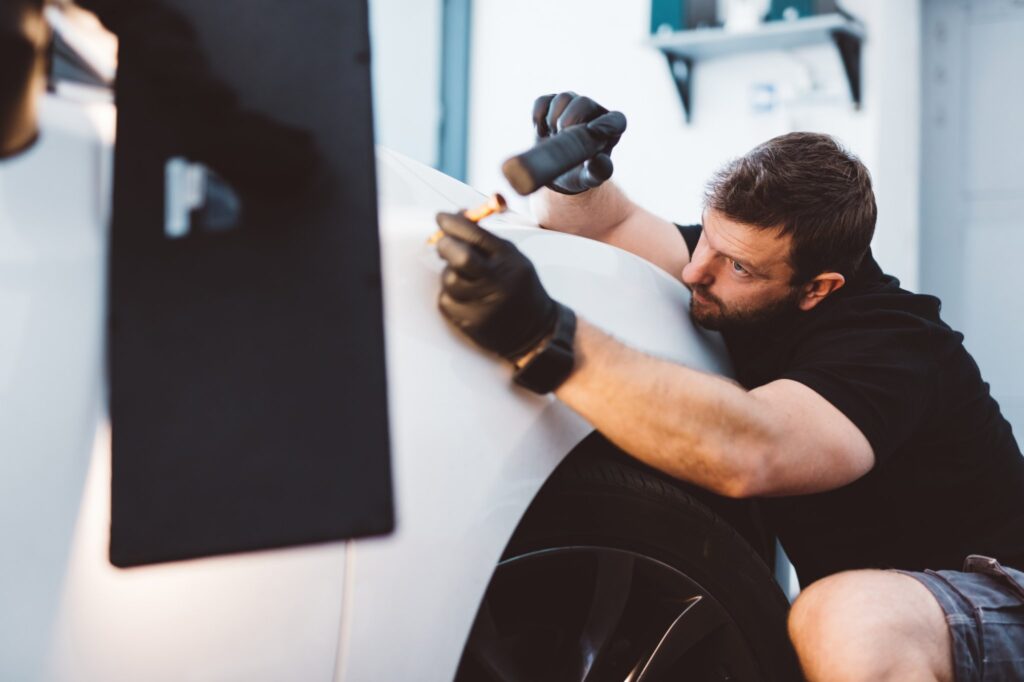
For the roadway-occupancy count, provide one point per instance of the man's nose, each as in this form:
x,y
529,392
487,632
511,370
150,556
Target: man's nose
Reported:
x,y
698,270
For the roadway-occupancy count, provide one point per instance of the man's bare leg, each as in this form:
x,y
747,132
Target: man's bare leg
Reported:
x,y
871,625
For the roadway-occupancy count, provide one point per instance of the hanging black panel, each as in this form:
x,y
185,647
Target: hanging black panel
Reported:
x,y
248,397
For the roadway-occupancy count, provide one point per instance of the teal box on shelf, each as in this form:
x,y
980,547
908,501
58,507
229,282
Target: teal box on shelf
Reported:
x,y
800,8
667,15
681,15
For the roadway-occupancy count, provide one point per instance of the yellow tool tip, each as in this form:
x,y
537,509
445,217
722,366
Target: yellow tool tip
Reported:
x,y
494,204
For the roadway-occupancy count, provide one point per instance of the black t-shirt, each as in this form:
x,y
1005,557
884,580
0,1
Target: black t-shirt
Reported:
x,y
948,479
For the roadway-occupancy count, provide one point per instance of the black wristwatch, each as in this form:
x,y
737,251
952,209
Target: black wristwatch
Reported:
x,y
553,361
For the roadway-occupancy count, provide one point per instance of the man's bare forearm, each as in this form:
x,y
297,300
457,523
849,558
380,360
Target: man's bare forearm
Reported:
x,y
593,213
608,215
695,426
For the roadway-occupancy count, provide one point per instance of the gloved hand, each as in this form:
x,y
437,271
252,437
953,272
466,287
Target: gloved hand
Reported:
x,y
491,291
552,113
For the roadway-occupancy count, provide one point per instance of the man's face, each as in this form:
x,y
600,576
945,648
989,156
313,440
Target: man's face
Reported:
x,y
739,276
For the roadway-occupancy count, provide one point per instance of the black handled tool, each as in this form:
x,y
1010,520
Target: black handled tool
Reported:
x,y
551,157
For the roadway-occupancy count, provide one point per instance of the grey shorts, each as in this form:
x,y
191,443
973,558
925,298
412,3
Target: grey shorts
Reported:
x,y
984,608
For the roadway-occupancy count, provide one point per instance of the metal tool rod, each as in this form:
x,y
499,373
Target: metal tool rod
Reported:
x,y
494,204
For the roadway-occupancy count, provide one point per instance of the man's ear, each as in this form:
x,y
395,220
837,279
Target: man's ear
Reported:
x,y
818,289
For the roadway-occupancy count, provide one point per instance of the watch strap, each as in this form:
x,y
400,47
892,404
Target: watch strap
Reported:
x,y
554,361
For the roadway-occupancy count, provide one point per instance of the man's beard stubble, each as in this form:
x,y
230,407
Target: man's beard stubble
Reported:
x,y
718,317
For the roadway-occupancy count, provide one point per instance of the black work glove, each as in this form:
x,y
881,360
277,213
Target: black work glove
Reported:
x,y
552,113
491,291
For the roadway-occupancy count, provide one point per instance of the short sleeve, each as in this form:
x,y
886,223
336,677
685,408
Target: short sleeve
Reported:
x,y
691,235
880,373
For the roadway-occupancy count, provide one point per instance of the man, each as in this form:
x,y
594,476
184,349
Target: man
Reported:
x,y
858,417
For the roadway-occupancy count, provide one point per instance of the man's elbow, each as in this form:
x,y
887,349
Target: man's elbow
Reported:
x,y
751,477
740,488
770,473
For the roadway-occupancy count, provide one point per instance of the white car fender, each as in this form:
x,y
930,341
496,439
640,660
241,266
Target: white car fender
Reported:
x,y
469,449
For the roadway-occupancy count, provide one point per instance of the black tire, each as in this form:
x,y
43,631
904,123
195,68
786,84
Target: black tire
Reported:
x,y
597,512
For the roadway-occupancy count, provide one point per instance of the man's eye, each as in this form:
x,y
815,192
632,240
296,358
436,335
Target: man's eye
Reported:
x,y
738,269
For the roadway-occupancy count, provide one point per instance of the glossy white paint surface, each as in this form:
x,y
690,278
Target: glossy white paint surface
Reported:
x,y
470,451
52,267
269,615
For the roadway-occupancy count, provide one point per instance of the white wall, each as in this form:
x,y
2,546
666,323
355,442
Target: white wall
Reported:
x,y
599,48
405,38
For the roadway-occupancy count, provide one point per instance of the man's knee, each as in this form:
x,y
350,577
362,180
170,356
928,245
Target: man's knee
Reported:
x,y
870,625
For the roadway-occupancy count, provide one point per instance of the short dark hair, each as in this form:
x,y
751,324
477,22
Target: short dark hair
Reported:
x,y
806,185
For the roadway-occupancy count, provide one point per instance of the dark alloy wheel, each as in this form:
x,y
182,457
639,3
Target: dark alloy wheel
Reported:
x,y
615,573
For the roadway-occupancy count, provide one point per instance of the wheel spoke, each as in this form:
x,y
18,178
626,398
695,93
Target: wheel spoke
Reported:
x,y
611,594
487,651
595,614
697,620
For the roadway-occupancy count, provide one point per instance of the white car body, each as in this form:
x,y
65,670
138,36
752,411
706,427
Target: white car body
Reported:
x,y
469,450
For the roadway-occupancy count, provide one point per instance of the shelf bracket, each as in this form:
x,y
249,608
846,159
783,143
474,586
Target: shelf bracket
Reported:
x,y
681,69
683,49
849,52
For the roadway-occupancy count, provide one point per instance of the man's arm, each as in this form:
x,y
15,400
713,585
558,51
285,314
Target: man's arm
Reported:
x,y
606,214
779,439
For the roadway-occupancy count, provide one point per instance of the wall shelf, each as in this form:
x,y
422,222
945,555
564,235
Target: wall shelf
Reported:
x,y
683,49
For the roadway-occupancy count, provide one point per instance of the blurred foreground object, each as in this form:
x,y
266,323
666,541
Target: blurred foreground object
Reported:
x,y
252,151
23,39
248,391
